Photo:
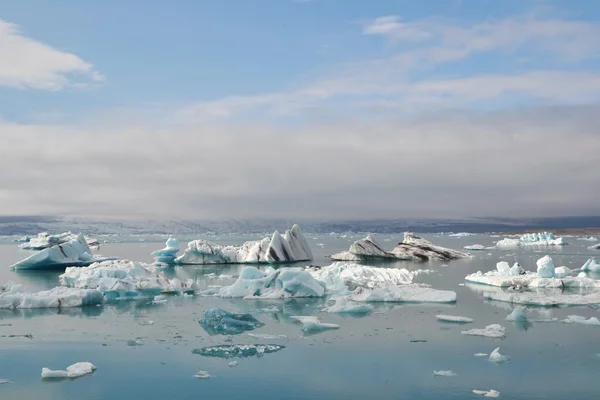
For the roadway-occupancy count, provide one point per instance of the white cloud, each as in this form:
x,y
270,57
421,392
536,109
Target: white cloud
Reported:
x,y
25,62
391,27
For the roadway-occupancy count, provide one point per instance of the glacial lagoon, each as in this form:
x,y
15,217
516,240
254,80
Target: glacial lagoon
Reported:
x,y
153,350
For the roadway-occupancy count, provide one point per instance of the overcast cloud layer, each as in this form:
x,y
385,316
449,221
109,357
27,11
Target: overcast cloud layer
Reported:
x,y
376,138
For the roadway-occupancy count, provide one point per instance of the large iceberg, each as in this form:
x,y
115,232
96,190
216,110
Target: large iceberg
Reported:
x,y
169,253
547,276
12,296
44,240
532,239
219,322
75,252
274,284
411,248
289,247
124,277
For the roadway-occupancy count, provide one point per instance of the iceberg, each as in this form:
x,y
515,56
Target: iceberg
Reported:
x,y
589,239
544,299
518,314
411,248
345,306
491,331
168,254
532,239
44,240
475,247
444,373
547,276
408,293
73,371
594,247
313,324
487,393
13,297
496,357
577,319
591,266
219,322
274,284
289,247
454,318
124,277
461,234
238,350
202,375
75,252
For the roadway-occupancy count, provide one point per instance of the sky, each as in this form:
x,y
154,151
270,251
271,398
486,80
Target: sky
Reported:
x,y
320,109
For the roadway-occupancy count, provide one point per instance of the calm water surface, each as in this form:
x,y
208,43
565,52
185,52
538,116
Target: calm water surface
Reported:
x,y
389,354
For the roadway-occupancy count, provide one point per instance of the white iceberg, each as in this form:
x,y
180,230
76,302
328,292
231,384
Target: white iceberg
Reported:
x,y
44,240
313,324
73,371
594,247
202,375
345,306
547,276
461,234
491,331
454,318
591,265
480,354
411,248
475,247
532,239
75,252
588,239
498,358
274,284
487,393
444,373
169,253
124,277
267,336
544,299
12,296
290,247
407,293
577,319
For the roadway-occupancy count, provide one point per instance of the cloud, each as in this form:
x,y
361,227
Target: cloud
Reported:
x,y
538,161
391,27
26,63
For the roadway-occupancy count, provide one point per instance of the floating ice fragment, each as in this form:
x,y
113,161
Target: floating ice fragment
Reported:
x,y
496,357
444,373
491,331
220,322
532,239
487,393
13,297
73,371
407,293
312,324
453,318
232,364
238,350
202,375
475,247
345,306
545,300
160,299
480,354
591,266
5,381
461,234
594,247
266,336
577,319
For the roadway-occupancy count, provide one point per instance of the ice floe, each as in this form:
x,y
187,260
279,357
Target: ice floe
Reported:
x,y
44,240
544,299
124,278
345,306
547,276
475,247
444,373
75,252
577,319
313,324
480,354
411,248
289,247
202,375
274,284
461,234
219,322
73,371
487,393
498,358
453,318
407,293
238,350
168,254
532,239
491,331
267,336
12,296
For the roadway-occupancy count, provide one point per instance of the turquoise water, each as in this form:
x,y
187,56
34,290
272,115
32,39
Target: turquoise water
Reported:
x,y
389,354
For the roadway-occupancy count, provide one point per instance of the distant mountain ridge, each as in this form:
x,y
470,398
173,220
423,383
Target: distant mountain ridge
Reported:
x,y
28,225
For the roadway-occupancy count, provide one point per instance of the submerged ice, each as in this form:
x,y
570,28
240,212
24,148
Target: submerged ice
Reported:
x,y
238,350
289,247
220,322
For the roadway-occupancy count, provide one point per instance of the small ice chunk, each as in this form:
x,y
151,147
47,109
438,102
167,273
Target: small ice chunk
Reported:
x,y
517,314
577,319
312,323
491,331
413,293
454,318
160,299
496,357
475,247
266,336
545,267
444,373
5,381
216,321
202,375
480,354
487,393
232,364
345,306
73,371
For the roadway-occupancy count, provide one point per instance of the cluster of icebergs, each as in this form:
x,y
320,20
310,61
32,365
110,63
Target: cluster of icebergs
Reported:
x,y
44,240
412,248
532,239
